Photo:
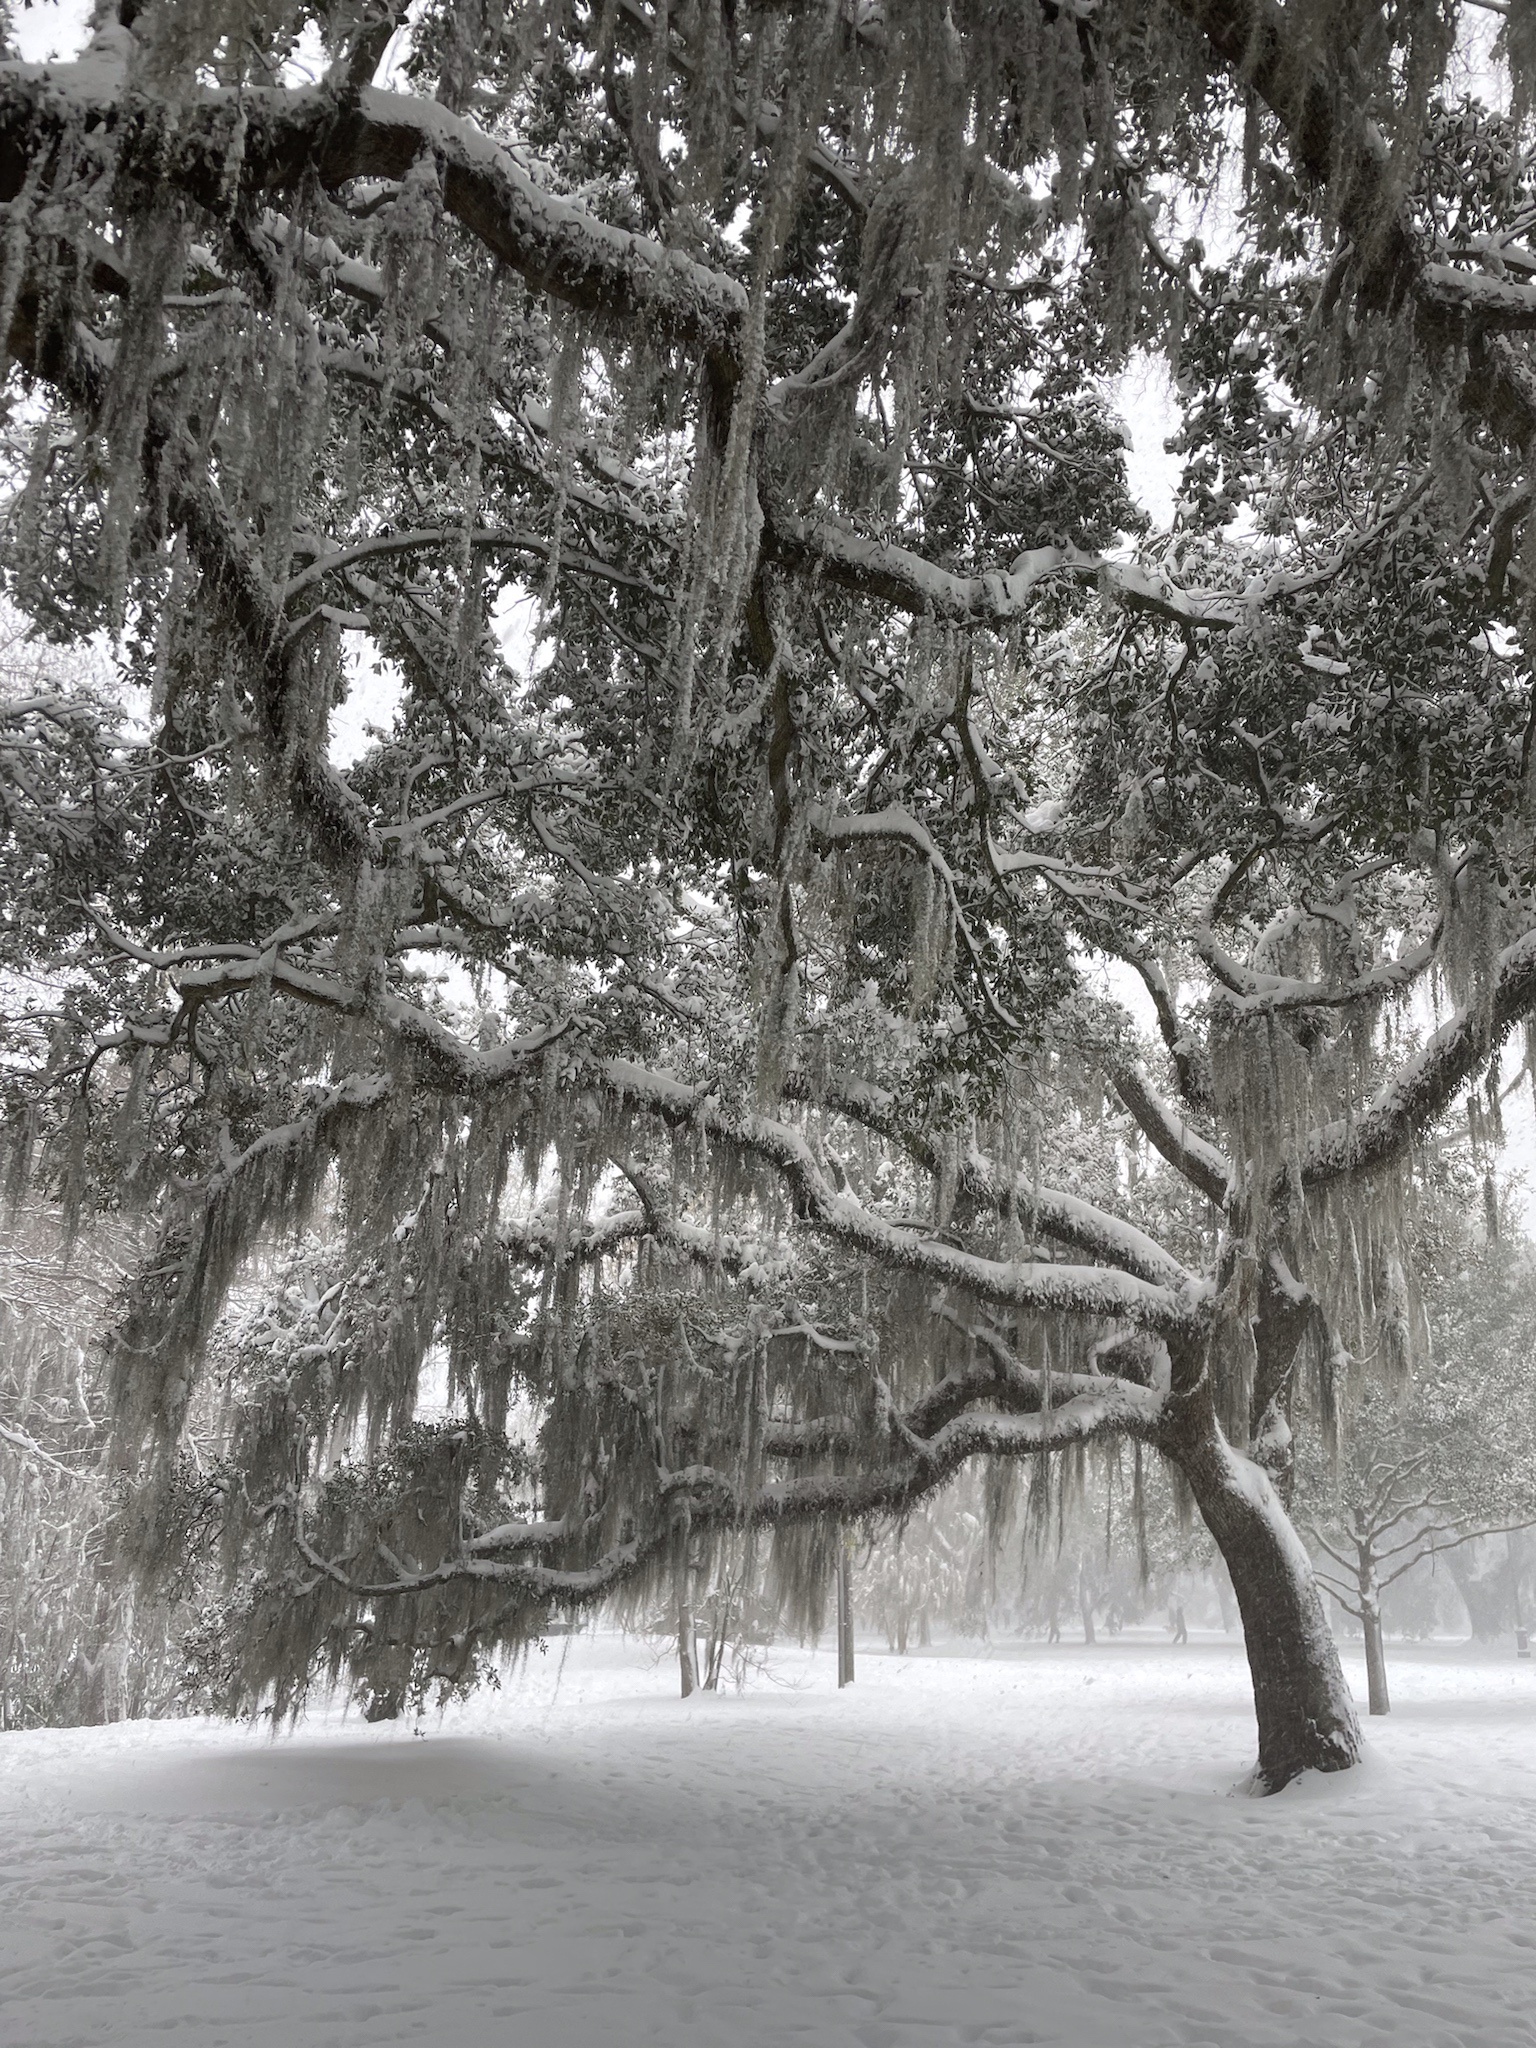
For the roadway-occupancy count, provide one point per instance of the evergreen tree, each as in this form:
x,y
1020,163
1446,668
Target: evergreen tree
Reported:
x,y
678,1026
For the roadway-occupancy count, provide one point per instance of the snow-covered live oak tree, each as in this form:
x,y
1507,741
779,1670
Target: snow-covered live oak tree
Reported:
x,y
684,1028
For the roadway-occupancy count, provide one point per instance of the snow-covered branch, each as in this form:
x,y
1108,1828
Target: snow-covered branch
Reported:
x,y
1180,1144
273,141
1174,1302
537,1581
1082,1290
28,1447
355,1095
540,1240
1043,1211
1110,1408
1101,1408
1480,299
1424,1086
1246,990
998,598
1072,1221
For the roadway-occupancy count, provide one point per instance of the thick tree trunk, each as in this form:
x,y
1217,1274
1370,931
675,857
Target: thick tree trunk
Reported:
x,y
1306,1717
1284,1312
1223,1584
1375,1658
1085,1607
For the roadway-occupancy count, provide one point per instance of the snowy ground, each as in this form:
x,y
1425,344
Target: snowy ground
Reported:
x,y
1031,1846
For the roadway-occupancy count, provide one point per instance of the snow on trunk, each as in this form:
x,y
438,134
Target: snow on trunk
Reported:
x,y
1306,1717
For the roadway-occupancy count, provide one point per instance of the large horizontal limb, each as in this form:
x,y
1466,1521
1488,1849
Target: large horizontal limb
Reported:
x,y
1102,1292
539,1242
1070,1220
1096,1291
998,598
278,141
1424,1087
993,1377
1109,1408
1048,1212
1246,992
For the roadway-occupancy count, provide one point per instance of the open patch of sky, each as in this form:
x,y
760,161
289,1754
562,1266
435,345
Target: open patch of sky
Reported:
x,y
367,712
1144,398
50,28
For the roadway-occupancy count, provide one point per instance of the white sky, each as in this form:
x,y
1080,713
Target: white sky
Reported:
x,y
1144,397
44,29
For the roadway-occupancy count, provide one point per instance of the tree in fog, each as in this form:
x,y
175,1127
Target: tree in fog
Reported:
x,y
1447,1458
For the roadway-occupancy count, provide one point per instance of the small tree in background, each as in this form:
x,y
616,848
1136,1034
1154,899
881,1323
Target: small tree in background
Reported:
x,y
1390,1518
73,1648
934,1569
1439,1460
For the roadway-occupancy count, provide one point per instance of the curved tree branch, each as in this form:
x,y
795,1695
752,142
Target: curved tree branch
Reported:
x,y
1180,1144
1424,1087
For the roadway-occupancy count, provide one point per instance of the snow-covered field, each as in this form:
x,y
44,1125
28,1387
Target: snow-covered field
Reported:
x,y
1035,1845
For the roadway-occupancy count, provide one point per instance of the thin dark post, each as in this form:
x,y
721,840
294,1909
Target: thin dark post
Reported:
x,y
687,1646
844,1616
1522,1633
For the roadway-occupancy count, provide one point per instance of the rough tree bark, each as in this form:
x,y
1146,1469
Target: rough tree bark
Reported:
x,y
1306,1718
1224,1603
1283,1315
